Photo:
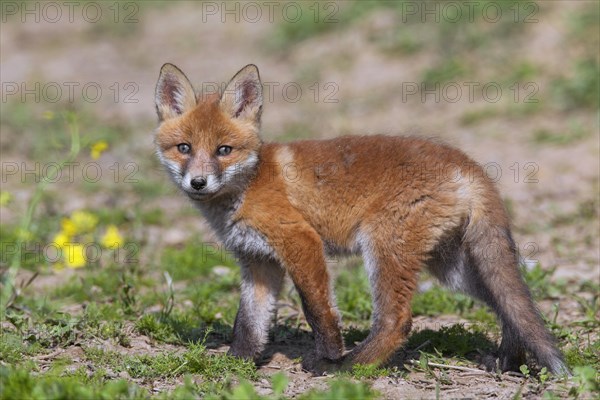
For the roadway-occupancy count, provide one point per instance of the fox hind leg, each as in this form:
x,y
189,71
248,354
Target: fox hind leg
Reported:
x,y
393,278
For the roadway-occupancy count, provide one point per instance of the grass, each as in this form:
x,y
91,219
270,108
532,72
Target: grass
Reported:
x,y
13,347
22,118
194,360
354,300
296,131
109,317
452,32
581,89
476,116
194,260
22,384
172,329
137,366
18,383
324,18
353,294
342,389
452,341
564,138
447,70
369,371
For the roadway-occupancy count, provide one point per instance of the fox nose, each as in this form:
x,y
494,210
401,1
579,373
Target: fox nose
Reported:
x,y
198,183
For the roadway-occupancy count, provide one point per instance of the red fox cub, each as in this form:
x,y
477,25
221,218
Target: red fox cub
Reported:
x,y
402,203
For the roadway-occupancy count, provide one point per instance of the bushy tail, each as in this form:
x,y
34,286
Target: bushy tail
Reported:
x,y
493,253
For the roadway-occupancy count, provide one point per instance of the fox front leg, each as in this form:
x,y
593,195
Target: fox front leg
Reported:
x,y
302,253
261,282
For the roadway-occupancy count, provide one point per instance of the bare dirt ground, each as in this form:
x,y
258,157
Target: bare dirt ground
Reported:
x,y
550,186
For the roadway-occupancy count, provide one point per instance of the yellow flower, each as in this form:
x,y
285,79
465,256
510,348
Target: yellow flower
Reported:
x,y
48,115
112,239
61,239
74,255
68,227
5,198
83,221
98,148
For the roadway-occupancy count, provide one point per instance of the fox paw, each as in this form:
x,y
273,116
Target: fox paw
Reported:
x,y
502,363
490,362
244,353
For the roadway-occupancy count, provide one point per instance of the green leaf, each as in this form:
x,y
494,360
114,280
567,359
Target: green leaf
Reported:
x,y
280,382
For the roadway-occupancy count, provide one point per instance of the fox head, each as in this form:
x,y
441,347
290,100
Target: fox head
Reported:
x,y
208,144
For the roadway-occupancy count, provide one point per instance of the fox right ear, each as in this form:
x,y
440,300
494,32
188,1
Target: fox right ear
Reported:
x,y
242,98
174,93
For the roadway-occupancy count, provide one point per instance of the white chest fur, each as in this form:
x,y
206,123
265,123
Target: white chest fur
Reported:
x,y
237,237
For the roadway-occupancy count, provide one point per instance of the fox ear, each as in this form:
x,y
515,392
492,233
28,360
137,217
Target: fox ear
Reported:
x,y
174,93
242,97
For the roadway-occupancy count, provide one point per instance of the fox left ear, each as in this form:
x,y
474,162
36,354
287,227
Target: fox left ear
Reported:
x,y
242,97
174,93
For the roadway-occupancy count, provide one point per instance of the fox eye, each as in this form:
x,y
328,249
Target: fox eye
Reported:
x,y
184,148
224,150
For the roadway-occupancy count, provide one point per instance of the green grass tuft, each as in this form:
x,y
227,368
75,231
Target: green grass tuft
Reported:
x,y
194,260
368,371
451,341
447,70
215,367
582,90
22,384
353,294
342,389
